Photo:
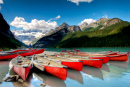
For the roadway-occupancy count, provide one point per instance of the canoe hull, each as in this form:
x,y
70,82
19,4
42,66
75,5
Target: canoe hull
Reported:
x,y
92,63
57,71
73,65
122,58
104,59
27,54
1,50
8,56
22,71
32,52
39,51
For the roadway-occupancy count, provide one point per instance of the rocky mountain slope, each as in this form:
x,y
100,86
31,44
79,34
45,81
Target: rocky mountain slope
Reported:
x,y
63,25
83,25
101,23
56,35
102,33
7,39
116,35
73,28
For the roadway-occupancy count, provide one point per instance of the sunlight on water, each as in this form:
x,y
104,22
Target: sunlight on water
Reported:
x,y
112,74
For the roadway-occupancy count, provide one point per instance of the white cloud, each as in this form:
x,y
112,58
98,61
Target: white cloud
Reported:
x,y
35,24
27,36
58,17
77,1
1,2
89,21
105,16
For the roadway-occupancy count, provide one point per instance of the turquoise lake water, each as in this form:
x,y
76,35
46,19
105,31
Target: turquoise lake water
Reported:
x,y
112,74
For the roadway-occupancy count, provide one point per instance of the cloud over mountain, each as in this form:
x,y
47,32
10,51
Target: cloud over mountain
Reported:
x,y
19,22
89,21
77,1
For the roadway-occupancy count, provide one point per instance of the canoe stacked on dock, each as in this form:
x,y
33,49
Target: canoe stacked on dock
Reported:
x,y
21,66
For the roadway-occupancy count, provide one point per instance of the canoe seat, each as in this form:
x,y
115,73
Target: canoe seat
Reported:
x,y
48,63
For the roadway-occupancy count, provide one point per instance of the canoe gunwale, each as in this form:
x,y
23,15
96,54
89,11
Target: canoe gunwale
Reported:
x,y
39,66
78,58
23,66
48,65
69,60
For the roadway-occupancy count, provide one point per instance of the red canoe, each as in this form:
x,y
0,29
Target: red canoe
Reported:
x,y
22,53
99,53
104,58
73,64
57,71
118,57
1,50
97,63
39,51
30,52
19,50
8,56
71,50
21,66
95,52
51,67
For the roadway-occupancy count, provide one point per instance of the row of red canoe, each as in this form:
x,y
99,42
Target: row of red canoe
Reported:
x,y
15,53
22,71
95,62
112,56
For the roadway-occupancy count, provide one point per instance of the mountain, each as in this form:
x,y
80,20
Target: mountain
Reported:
x,y
7,39
115,35
47,41
73,28
4,27
83,25
101,24
63,25
55,36
102,33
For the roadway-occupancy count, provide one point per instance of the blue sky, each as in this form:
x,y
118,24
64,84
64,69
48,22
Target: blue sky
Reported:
x,y
46,14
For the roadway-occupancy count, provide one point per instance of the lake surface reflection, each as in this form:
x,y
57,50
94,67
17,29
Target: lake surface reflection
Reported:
x,y
112,74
